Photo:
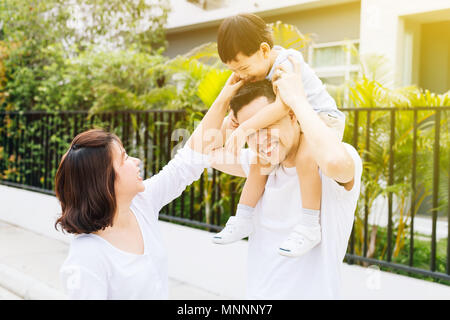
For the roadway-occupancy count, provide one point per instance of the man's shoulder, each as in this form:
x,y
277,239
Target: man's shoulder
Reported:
x,y
331,184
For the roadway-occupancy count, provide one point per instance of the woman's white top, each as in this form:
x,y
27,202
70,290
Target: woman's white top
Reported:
x,y
95,269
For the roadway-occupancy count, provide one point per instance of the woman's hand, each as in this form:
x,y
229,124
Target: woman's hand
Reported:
x,y
233,84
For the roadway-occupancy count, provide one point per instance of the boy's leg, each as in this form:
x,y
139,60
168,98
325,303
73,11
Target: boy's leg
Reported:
x,y
306,235
241,225
254,186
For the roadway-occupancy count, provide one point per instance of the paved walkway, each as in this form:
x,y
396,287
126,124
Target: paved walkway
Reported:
x,y
29,268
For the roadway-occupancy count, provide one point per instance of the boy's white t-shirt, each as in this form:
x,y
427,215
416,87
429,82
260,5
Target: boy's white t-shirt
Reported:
x,y
316,93
317,274
95,269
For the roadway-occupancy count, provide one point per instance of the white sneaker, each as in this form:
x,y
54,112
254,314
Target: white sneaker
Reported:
x,y
300,241
236,228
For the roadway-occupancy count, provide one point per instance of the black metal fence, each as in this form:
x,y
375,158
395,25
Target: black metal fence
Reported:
x,y
406,155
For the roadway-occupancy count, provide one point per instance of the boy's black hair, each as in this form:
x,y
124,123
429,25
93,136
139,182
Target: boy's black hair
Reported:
x,y
242,33
249,92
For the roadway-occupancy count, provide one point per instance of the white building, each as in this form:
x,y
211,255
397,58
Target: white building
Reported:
x,y
414,35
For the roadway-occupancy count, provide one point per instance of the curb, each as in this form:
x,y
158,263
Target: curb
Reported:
x,y
26,287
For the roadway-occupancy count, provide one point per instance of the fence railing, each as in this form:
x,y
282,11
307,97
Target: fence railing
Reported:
x,y
406,155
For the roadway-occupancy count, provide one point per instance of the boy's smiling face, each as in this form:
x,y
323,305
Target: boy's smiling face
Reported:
x,y
252,68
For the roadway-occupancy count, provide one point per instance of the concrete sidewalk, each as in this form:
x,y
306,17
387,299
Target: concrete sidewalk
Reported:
x,y
29,268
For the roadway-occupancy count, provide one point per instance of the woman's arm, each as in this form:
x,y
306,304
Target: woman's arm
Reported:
x,y
190,161
226,162
82,284
208,135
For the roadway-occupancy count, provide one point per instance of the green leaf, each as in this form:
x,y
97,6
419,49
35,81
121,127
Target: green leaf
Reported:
x,y
211,85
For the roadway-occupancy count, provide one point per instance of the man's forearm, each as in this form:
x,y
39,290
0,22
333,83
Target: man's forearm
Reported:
x,y
328,151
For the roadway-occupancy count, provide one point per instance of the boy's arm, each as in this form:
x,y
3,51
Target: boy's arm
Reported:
x,y
270,114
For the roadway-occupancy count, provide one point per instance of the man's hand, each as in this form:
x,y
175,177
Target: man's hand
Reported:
x,y
289,85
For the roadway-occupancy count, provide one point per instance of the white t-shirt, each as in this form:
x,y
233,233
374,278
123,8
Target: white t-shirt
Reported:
x,y
95,269
317,274
316,93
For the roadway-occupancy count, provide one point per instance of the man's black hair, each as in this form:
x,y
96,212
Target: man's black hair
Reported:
x,y
251,91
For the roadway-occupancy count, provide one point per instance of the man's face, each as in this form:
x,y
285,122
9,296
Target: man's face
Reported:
x,y
252,68
273,143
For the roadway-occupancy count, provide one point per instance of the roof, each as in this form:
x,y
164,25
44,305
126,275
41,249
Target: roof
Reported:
x,y
186,16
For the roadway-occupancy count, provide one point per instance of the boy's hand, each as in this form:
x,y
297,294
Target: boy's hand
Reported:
x,y
233,84
232,122
236,141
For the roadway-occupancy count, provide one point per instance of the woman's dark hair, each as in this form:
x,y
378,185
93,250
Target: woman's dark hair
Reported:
x,y
249,92
242,33
84,183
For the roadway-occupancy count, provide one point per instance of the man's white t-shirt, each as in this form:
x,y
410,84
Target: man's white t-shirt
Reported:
x,y
95,269
317,274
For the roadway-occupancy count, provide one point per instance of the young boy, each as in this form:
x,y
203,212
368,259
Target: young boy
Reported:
x,y
245,45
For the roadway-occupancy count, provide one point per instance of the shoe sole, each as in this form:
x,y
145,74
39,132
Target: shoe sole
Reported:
x,y
221,241
286,253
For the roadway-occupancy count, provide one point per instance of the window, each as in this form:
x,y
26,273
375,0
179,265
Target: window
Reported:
x,y
334,62
208,4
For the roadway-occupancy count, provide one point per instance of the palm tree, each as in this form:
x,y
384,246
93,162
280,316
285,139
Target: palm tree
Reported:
x,y
368,91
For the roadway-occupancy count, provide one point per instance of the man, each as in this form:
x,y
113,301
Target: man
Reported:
x,y
316,275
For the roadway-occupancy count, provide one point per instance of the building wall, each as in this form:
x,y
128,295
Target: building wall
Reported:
x,y
384,24
183,42
435,57
327,24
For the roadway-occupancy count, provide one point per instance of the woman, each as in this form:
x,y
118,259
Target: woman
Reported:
x,y
117,252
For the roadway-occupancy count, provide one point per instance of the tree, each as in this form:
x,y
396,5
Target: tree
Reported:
x,y
42,38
